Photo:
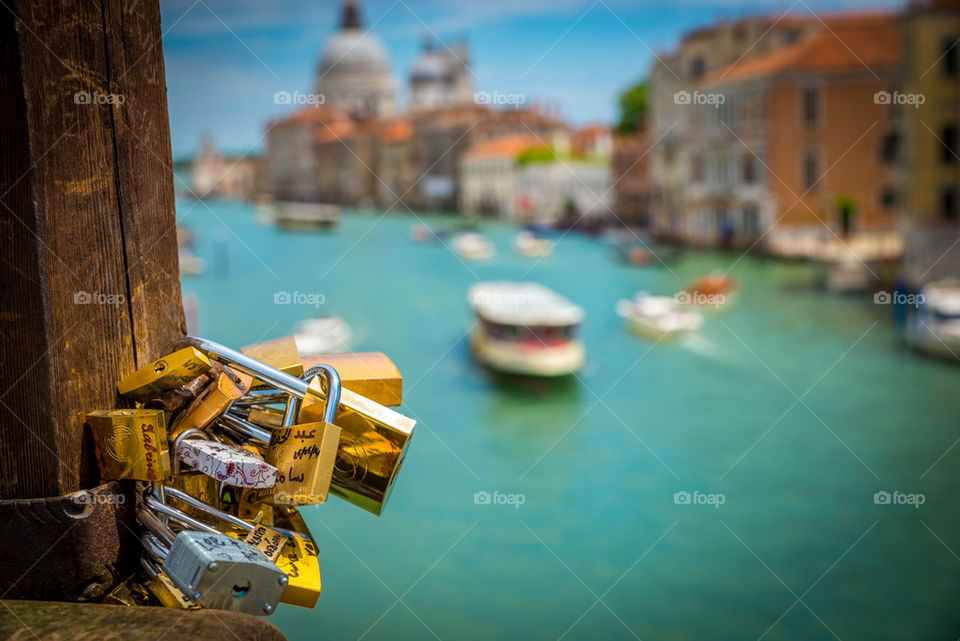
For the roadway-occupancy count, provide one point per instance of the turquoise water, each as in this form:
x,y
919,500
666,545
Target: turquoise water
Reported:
x,y
599,548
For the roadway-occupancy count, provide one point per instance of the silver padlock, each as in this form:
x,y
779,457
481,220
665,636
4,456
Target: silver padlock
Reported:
x,y
218,571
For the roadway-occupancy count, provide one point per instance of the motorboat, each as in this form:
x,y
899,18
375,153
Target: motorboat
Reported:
x,y
934,327
322,335
532,246
658,318
715,290
526,329
472,245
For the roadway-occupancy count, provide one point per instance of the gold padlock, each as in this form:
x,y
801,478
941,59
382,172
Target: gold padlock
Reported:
x,y
373,443
200,486
129,593
213,401
131,444
170,372
280,353
369,374
265,417
305,456
299,560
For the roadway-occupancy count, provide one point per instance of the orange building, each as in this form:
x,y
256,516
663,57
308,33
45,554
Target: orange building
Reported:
x,y
792,146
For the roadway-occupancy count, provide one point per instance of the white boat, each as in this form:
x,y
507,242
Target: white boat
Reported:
x,y
531,245
526,329
934,328
658,317
472,245
848,274
294,215
191,264
323,335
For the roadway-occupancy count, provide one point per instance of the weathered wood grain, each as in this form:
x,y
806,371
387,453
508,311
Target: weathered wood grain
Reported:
x,y
89,258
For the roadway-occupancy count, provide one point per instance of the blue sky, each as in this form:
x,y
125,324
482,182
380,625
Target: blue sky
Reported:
x,y
225,59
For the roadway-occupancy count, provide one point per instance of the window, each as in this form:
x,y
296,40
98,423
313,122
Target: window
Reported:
x,y
890,147
811,106
698,67
888,198
749,169
951,57
697,168
948,139
948,203
811,169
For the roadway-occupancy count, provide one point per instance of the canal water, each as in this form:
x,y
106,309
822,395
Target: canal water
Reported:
x,y
722,488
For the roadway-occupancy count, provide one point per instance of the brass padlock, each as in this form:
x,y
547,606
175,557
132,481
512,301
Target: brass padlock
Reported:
x,y
163,590
265,417
305,454
130,592
170,372
280,353
131,444
213,401
374,438
370,374
299,559
373,443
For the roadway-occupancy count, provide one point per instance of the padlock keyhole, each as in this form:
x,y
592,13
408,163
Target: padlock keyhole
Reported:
x,y
159,367
240,591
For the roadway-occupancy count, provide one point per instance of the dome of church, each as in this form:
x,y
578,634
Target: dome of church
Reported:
x,y
354,71
354,51
429,66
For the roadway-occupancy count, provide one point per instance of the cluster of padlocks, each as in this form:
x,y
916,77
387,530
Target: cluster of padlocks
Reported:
x,y
229,443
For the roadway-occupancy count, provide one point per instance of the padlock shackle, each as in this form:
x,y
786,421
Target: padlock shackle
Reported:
x,y
155,526
185,498
177,515
153,546
332,378
148,567
259,370
245,428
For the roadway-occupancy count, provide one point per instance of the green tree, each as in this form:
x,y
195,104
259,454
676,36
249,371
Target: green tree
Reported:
x,y
633,109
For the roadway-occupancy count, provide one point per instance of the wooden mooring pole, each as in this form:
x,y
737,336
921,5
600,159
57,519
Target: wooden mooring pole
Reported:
x,y
90,276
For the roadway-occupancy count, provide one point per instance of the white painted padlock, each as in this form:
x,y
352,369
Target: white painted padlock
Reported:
x,y
228,463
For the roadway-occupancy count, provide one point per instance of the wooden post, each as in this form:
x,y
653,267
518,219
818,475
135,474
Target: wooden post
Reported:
x,y
89,251
88,266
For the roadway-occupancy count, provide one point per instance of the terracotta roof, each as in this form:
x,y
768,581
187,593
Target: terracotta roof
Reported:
x,y
311,113
508,146
396,131
847,41
333,131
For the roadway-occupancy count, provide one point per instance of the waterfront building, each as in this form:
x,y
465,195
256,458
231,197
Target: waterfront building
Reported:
x,y
488,175
214,175
929,160
786,145
441,76
630,174
395,167
354,72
